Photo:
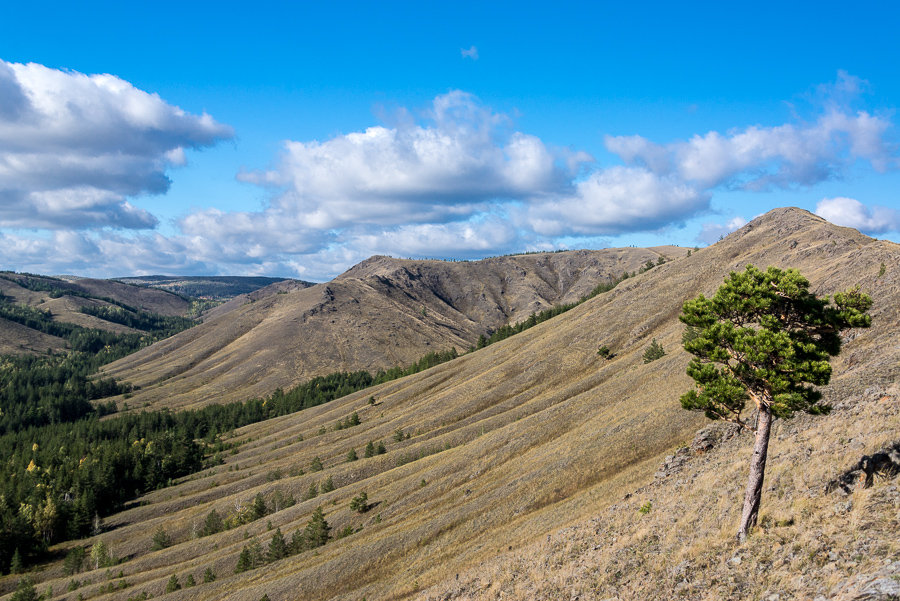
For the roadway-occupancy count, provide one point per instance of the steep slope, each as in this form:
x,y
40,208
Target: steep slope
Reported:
x,y
507,444
382,313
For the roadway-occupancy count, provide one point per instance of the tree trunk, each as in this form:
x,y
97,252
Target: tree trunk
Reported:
x,y
757,472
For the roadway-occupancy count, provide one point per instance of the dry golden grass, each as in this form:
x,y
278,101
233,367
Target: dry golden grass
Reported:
x,y
810,542
382,313
534,434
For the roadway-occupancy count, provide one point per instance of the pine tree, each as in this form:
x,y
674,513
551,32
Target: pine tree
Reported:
x,y
351,456
764,337
25,591
313,491
328,486
209,575
16,566
255,551
259,509
190,581
354,419
381,449
316,532
161,540
316,465
244,562
278,548
654,351
173,584
360,503
370,450
213,523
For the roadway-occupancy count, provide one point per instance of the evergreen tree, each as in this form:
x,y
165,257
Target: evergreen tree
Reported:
x,y
259,509
316,532
161,539
25,591
313,491
351,456
298,543
173,584
209,575
360,503
100,554
654,351
316,465
381,449
190,581
328,486
764,337
16,566
257,557
74,562
354,419
370,450
278,548
213,523
244,562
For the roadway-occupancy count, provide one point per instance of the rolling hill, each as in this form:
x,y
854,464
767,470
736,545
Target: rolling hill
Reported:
x,y
380,314
491,453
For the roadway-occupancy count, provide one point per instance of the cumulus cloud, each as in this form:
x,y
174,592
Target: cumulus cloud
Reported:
x,y
617,200
443,170
73,147
711,232
849,212
759,158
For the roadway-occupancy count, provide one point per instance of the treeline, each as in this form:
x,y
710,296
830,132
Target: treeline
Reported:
x,y
167,325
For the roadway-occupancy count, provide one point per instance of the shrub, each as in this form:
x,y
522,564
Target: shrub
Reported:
x,y
360,503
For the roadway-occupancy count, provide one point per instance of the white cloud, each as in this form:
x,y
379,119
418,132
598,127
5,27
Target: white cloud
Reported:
x,y
615,201
472,53
73,147
759,158
445,170
711,232
850,212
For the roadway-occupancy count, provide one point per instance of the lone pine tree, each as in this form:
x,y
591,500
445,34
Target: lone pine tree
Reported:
x,y
764,337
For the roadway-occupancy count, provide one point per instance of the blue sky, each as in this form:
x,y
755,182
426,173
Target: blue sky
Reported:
x,y
298,139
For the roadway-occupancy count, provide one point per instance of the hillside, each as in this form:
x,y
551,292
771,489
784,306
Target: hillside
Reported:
x,y
380,314
509,444
67,300
221,288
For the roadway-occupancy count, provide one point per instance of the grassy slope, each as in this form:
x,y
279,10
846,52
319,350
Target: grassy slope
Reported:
x,y
380,314
543,433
